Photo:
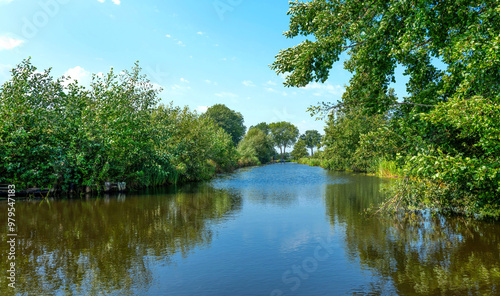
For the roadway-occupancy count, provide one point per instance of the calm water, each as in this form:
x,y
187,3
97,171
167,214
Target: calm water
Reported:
x,y
273,230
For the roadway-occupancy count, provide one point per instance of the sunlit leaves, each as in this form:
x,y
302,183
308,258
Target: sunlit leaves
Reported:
x,y
57,134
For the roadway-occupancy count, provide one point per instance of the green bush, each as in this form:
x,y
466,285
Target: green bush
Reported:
x,y
57,134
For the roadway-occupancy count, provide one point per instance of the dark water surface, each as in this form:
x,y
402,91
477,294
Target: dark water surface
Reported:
x,y
283,229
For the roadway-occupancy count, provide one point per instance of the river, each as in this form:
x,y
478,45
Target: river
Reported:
x,y
283,229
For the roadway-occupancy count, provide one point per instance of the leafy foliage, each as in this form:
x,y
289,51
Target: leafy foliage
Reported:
x,y
312,138
255,148
299,149
229,120
264,127
283,134
256,145
58,134
445,133
343,140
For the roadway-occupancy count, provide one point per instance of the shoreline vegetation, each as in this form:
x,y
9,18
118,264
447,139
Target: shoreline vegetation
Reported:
x,y
67,140
442,137
59,136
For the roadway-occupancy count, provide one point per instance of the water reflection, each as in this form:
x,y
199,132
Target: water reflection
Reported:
x,y
107,246
415,255
280,185
240,234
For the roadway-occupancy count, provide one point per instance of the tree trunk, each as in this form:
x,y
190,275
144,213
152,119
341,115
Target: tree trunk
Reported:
x,y
312,153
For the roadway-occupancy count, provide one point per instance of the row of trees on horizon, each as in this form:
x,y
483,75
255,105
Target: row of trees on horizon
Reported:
x,y
258,145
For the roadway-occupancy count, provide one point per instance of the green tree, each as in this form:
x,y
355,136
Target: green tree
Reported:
x,y
57,134
379,35
231,121
299,150
284,134
256,144
430,122
312,138
264,127
343,136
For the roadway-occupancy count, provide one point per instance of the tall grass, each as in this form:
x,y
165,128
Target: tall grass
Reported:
x,y
312,162
388,169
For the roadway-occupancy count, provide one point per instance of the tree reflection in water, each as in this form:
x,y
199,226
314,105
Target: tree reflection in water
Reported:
x,y
417,254
105,246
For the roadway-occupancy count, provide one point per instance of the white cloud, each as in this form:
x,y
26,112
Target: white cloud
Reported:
x,y
226,95
5,1
202,109
271,83
168,36
272,90
180,43
177,87
248,83
79,74
184,80
321,88
9,43
176,90
200,33
117,2
210,82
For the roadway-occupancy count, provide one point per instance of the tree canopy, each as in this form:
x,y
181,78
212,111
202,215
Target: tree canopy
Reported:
x,y
57,134
311,138
379,35
256,144
231,121
299,149
264,127
284,134
445,133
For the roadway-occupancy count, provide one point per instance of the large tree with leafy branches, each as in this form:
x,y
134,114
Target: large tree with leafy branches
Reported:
x,y
311,138
230,120
445,141
284,134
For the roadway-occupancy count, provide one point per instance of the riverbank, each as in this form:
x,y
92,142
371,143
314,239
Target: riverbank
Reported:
x,y
114,131
412,193
246,234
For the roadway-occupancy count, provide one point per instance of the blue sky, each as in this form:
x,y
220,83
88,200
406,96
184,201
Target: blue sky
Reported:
x,y
200,52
